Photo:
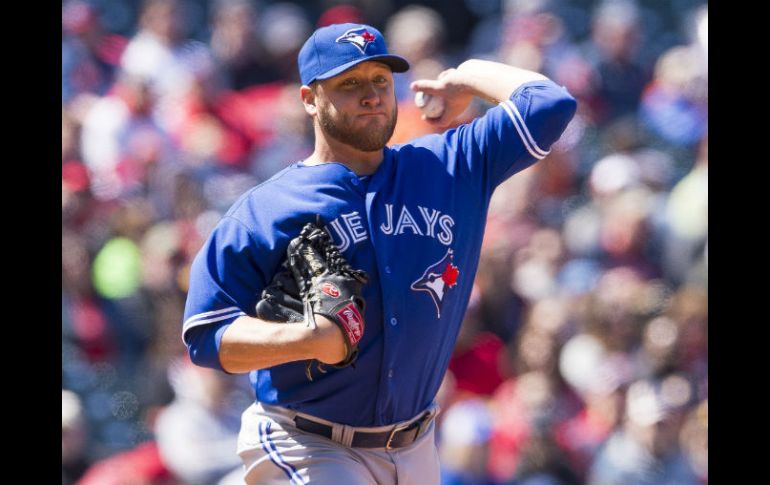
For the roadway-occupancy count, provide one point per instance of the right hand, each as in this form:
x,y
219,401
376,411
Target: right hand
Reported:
x,y
451,85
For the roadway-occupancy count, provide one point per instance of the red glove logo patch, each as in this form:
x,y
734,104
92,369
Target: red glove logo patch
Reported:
x,y
352,321
330,290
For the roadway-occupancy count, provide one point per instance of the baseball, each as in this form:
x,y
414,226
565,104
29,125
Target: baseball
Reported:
x,y
431,106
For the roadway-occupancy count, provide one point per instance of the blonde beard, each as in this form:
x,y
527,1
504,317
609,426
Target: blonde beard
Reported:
x,y
361,139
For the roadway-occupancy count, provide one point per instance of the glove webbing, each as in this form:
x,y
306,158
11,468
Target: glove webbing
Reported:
x,y
334,260
335,264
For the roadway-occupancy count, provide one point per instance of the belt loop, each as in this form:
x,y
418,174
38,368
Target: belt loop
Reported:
x,y
337,432
347,435
343,434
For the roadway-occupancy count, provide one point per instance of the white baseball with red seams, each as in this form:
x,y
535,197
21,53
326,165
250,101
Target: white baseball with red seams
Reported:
x,y
431,106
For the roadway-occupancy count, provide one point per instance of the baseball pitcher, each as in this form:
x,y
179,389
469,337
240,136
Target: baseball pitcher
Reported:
x,y
340,284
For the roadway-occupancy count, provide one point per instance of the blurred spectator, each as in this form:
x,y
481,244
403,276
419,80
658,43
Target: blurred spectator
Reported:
x,y
601,381
90,55
78,205
525,407
509,228
534,350
122,140
161,55
533,275
647,450
500,308
699,32
204,123
161,252
139,465
621,303
84,322
614,55
556,180
282,27
688,307
686,222
241,58
290,139
533,36
674,105
464,443
478,363
625,236
341,14
154,51
694,440
117,278
579,358
542,461
70,137
659,354
551,316
80,210
73,438
198,431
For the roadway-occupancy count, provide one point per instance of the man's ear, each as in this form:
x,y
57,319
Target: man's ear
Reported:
x,y
308,100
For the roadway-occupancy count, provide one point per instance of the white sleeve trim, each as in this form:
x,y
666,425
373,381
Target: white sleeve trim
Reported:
x,y
216,316
521,128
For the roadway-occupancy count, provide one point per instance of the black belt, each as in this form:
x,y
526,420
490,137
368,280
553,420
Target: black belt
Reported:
x,y
394,438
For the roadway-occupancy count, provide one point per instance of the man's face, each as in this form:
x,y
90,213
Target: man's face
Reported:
x,y
358,107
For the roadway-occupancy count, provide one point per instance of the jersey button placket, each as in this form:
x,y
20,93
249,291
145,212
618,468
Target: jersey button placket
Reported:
x,y
394,321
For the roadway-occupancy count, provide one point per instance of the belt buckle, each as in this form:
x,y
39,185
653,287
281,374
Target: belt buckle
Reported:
x,y
417,423
393,434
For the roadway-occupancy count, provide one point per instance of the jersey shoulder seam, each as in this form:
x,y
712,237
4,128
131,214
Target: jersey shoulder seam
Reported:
x,y
242,223
529,84
248,193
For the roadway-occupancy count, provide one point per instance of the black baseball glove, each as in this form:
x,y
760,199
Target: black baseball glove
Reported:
x,y
316,279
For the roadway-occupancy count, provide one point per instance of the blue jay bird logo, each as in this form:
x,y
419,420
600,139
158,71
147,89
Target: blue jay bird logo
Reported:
x,y
437,279
359,37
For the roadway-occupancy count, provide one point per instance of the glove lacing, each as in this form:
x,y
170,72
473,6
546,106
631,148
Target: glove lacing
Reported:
x,y
335,264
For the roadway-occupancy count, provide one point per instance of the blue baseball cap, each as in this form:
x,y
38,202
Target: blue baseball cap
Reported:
x,y
338,47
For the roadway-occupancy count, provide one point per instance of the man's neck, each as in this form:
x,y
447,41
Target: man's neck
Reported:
x,y
360,162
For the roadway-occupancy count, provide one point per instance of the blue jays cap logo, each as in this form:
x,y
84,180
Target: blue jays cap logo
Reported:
x,y
359,37
438,279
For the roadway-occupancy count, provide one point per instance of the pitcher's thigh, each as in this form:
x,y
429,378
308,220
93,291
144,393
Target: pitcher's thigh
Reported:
x,y
297,458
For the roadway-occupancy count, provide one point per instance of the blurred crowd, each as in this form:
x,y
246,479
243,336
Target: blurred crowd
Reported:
x,y
583,357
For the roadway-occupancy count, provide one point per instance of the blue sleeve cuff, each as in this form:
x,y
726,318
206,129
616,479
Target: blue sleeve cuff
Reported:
x,y
541,111
203,344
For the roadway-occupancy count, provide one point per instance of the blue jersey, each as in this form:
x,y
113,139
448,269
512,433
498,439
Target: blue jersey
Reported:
x,y
415,226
